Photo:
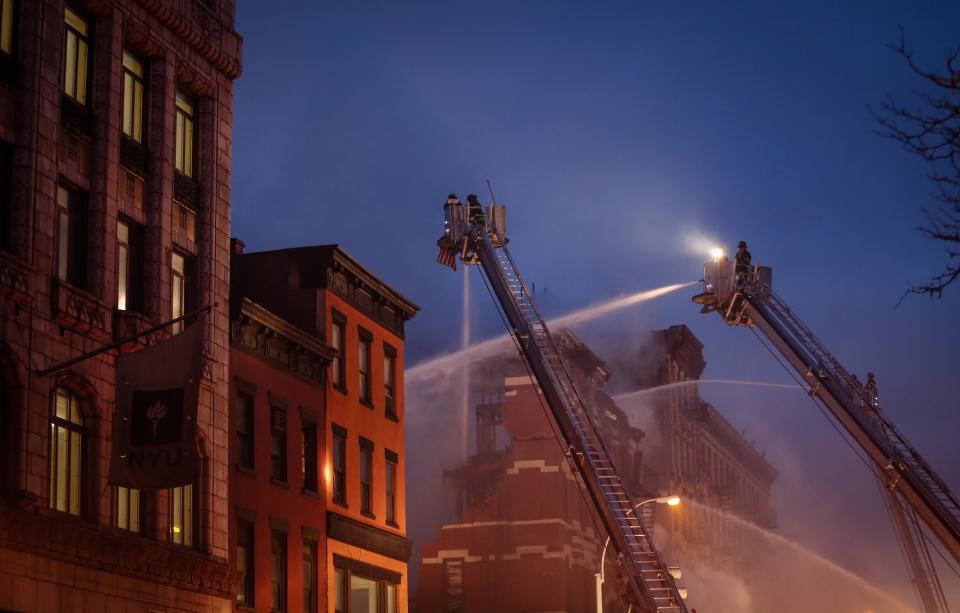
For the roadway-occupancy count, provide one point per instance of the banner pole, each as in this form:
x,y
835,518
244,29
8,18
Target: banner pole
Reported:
x,y
121,342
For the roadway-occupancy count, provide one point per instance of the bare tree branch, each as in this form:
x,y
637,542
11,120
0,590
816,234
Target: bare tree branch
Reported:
x,y
930,130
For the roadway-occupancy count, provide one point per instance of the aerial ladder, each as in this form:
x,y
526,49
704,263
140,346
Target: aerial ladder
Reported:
x,y
651,585
912,490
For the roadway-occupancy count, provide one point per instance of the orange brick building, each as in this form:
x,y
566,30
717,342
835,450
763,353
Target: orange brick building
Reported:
x,y
115,153
330,296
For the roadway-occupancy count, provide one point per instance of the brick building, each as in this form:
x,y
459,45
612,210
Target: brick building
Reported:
x,y
332,298
278,374
115,149
524,540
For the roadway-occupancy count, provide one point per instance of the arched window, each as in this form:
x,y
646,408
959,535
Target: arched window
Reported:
x,y
66,453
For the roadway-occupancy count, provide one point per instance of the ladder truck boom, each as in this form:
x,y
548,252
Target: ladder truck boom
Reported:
x,y
651,584
913,491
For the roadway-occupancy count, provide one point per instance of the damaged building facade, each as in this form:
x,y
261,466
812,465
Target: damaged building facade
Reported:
x,y
524,538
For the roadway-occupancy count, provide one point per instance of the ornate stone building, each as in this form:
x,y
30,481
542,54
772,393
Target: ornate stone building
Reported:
x,y
115,155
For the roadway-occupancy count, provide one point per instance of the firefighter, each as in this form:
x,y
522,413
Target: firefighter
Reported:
x,y
741,264
871,388
452,200
476,210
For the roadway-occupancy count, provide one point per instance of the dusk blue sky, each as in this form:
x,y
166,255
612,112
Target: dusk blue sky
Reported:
x,y
617,132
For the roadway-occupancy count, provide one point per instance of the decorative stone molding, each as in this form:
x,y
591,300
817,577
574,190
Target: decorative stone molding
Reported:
x,y
80,311
63,537
227,61
15,279
128,323
279,342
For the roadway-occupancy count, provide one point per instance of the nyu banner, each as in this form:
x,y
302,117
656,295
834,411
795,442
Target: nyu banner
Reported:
x,y
155,419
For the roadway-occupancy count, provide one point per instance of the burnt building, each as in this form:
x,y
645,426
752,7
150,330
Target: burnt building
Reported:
x,y
524,539
115,149
695,452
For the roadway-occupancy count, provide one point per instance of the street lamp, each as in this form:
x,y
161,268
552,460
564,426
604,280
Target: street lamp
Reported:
x,y
667,500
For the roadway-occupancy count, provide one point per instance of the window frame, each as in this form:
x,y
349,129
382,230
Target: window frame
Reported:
x,y
70,242
8,27
247,532
390,382
338,365
138,122
345,570
82,42
185,133
338,452
132,246
309,576
246,440
279,428
279,574
122,516
365,366
187,520
309,456
390,482
365,473
73,494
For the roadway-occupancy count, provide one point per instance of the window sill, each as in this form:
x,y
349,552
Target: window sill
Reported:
x,y
393,417
367,404
246,607
393,524
341,389
341,503
368,515
247,471
311,493
279,482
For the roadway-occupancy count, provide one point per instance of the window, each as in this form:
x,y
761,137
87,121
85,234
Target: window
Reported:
x,y
278,444
278,570
363,355
66,453
132,97
6,26
76,51
129,245
245,561
309,577
391,486
339,465
183,159
71,236
336,341
181,287
128,512
357,591
389,380
366,476
182,515
340,597
308,456
245,429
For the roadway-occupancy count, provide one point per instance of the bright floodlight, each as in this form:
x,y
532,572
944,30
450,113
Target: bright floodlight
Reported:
x,y
670,500
716,253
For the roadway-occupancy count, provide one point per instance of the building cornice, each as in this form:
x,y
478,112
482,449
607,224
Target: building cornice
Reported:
x,y
227,65
276,340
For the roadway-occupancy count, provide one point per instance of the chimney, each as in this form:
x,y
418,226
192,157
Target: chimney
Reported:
x,y
236,246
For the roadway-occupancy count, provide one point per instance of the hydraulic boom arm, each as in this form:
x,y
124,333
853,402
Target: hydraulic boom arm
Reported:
x,y
912,488
651,584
